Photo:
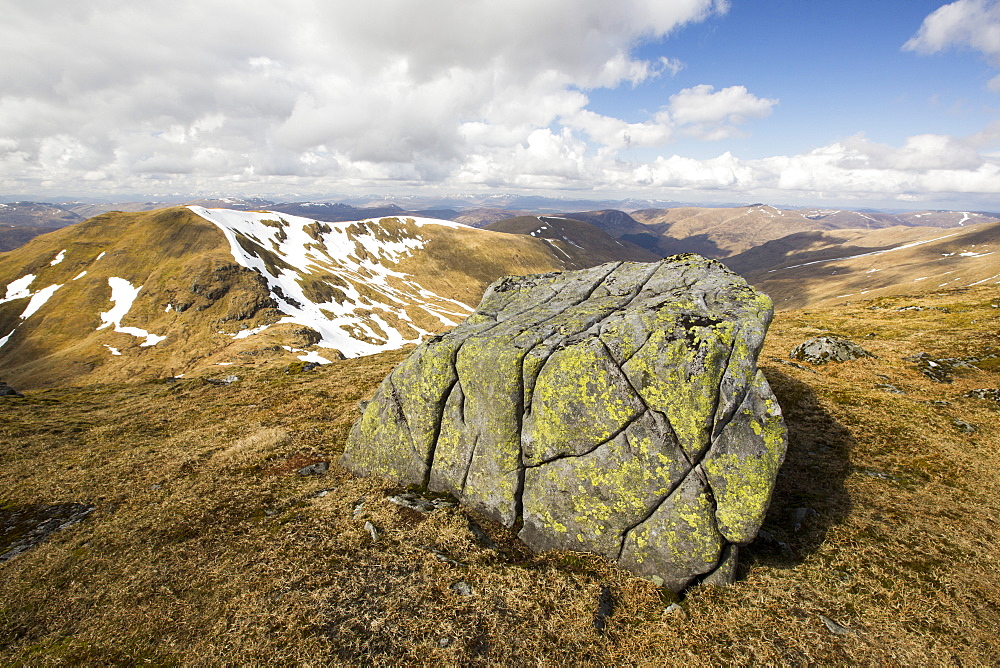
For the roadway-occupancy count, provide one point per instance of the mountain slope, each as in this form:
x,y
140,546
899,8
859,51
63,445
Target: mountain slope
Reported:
x,y
812,268
164,292
586,244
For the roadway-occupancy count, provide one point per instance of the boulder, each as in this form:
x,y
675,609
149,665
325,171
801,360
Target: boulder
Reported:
x,y
615,410
823,349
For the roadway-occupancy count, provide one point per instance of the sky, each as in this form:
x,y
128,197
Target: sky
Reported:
x,y
854,103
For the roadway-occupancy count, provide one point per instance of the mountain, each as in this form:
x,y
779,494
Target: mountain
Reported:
x,y
174,291
823,267
723,232
581,242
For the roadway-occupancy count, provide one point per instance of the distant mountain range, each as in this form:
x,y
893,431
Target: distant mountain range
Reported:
x,y
180,290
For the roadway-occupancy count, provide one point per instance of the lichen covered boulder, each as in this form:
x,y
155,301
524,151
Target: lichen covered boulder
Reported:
x,y
823,349
616,410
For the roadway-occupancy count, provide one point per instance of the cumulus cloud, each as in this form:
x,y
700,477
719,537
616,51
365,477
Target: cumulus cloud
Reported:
x,y
219,88
973,24
715,115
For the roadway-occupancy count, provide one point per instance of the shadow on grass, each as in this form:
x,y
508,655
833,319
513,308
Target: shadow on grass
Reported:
x,y
810,496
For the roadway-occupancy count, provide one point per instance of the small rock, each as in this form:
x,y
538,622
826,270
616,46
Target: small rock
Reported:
x,y
444,642
964,426
462,588
8,391
834,627
228,380
801,516
362,405
767,539
675,610
319,468
359,508
442,557
370,528
413,502
321,493
984,393
481,537
937,370
823,349
891,389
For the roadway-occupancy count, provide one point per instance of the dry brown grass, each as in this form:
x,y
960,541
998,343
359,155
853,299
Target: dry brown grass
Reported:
x,y
208,549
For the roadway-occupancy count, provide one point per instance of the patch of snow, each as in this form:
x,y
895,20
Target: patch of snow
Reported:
x,y
224,363
100,256
878,252
965,217
3,340
922,278
38,300
842,296
58,258
18,289
80,275
170,307
360,254
123,294
971,254
242,334
114,351
314,357
985,280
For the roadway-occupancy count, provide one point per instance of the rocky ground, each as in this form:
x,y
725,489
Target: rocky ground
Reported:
x,y
217,536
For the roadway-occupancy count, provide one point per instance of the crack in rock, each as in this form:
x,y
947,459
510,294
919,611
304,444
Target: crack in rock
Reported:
x,y
616,410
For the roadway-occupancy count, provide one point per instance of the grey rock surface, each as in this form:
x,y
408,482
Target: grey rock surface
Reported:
x,y
823,349
616,410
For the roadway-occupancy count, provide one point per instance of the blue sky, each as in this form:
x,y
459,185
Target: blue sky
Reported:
x,y
854,103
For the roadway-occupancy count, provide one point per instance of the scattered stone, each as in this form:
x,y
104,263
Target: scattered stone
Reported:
x,y
616,410
362,405
24,527
605,608
992,394
321,493
891,389
939,371
444,642
801,517
767,539
442,557
481,537
879,474
823,349
675,610
8,391
228,380
964,426
301,367
462,588
416,502
834,627
939,402
319,468
371,529
359,508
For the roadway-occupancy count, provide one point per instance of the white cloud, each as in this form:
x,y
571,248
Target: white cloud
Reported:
x,y
966,23
714,115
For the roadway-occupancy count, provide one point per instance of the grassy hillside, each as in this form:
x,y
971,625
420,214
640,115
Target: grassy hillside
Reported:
x,y
586,244
814,268
207,547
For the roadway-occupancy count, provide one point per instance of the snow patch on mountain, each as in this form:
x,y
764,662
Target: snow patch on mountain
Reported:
x,y
38,301
123,295
18,289
362,304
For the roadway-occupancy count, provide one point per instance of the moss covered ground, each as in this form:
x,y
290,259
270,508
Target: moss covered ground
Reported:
x,y
208,548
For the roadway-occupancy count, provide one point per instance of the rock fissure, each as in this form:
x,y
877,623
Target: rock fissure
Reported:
x,y
616,410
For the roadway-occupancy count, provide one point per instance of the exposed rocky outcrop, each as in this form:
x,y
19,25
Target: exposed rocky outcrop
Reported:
x,y
616,410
